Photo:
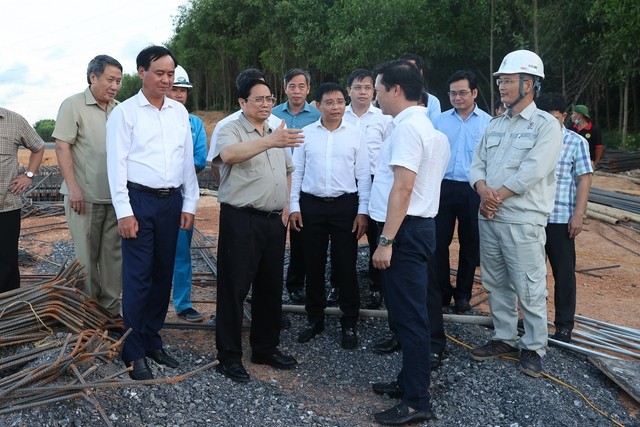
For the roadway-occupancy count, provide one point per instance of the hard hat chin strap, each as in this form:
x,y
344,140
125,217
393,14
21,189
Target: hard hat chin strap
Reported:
x,y
521,94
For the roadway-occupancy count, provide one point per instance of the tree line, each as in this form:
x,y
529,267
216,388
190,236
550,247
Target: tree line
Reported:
x,y
589,48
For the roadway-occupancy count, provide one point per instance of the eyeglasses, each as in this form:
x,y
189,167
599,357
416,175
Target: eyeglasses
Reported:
x,y
504,82
358,88
259,100
463,93
331,102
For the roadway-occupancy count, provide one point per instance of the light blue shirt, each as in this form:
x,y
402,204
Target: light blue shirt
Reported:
x,y
433,108
309,114
464,136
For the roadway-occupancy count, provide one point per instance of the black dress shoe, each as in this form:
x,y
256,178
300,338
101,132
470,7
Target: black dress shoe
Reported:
x,y
233,370
349,337
334,296
399,415
391,389
310,331
462,306
141,370
163,358
285,323
387,346
375,300
297,296
276,360
436,360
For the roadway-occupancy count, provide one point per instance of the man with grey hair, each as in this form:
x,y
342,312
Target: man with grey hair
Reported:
x,y
297,113
80,135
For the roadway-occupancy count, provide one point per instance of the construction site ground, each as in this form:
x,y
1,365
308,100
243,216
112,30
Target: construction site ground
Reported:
x,y
608,256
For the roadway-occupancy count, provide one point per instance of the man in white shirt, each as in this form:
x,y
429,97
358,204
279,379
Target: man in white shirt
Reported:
x,y
329,196
375,128
404,201
154,192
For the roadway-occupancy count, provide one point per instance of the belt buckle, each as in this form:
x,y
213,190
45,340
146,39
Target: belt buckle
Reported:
x,y
164,192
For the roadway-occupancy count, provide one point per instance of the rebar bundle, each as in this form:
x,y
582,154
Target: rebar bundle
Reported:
x,y
27,314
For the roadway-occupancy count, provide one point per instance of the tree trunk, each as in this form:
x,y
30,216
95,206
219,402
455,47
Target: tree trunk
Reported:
x,y
625,112
536,40
493,92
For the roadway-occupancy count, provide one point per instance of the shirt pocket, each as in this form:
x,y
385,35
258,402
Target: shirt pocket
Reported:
x,y
519,150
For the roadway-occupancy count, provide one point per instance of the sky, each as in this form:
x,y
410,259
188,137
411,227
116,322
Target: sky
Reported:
x,y
45,46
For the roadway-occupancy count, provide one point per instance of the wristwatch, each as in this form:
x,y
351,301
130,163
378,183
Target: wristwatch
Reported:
x,y
385,241
29,174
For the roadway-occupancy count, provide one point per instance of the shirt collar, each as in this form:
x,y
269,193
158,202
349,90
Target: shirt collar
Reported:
x,y
249,127
307,107
407,112
142,100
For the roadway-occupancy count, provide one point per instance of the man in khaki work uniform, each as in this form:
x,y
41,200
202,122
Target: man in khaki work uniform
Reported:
x,y
80,135
255,169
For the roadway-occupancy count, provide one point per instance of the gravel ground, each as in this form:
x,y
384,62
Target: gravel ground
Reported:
x,y
332,387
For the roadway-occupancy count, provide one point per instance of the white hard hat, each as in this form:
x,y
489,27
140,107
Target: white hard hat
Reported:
x,y
521,62
181,78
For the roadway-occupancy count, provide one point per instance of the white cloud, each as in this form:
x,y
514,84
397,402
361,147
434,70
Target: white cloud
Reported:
x,y
46,46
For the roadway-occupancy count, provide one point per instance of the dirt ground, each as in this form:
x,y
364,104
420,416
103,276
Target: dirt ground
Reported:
x,y
608,261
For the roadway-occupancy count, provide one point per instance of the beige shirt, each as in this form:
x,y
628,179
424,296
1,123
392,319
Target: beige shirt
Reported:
x,y
260,182
520,153
15,131
82,124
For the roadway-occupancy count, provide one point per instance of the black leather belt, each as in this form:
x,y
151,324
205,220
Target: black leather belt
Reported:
x,y
267,214
327,199
160,192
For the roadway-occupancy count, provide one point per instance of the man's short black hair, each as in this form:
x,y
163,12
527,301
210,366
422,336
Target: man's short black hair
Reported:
x,y
404,74
153,53
408,56
248,74
328,88
357,75
245,90
551,101
297,72
98,64
464,75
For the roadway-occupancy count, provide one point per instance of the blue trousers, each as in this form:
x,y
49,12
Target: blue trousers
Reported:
x,y
147,269
406,292
182,273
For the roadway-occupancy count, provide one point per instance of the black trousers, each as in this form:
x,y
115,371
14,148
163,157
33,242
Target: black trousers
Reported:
x,y
458,201
250,251
324,221
561,251
10,232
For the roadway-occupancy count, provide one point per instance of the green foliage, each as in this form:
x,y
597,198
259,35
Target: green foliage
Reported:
x,y
613,139
131,84
45,128
587,46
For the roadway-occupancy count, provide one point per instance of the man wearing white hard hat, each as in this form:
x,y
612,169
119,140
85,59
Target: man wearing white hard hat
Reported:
x,y
513,171
182,274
